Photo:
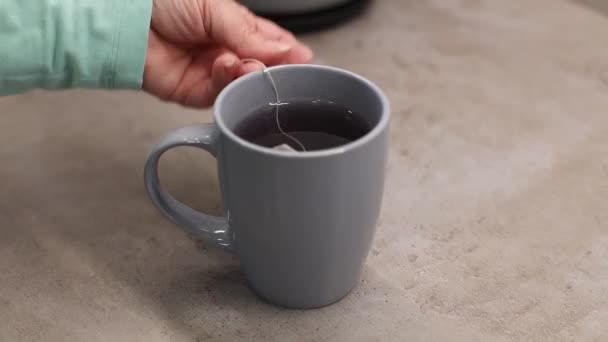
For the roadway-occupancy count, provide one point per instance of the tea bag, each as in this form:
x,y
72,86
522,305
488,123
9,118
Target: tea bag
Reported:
x,y
277,104
284,147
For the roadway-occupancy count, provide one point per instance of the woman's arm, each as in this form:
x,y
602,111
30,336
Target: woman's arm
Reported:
x,y
58,44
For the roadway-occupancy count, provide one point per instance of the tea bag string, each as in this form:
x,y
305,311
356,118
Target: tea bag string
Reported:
x,y
278,103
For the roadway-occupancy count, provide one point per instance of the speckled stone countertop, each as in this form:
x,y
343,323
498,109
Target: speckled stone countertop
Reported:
x,y
494,227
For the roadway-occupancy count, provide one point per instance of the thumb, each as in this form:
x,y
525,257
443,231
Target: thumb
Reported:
x,y
232,25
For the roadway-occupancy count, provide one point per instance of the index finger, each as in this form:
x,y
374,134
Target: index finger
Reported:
x,y
300,53
273,31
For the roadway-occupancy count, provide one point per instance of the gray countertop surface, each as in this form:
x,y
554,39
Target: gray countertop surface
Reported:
x,y
495,219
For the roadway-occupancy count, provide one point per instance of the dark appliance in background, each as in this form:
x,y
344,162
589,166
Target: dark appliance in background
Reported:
x,y
302,16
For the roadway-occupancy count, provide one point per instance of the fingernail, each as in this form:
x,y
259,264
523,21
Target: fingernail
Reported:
x,y
230,63
279,47
283,47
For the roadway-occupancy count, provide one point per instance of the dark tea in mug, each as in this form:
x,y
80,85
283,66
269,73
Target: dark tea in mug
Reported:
x,y
316,125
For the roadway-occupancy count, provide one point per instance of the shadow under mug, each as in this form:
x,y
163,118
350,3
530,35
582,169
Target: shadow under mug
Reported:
x,y
301,223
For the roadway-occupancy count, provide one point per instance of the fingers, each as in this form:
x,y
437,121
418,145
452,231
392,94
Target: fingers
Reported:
x,y
249,67
224,70
233,26
273,31
299,53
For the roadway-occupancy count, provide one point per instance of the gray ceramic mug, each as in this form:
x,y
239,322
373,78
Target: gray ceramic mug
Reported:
x,y
301,223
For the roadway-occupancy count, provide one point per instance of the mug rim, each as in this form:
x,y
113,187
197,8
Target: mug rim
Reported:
x,y
380,126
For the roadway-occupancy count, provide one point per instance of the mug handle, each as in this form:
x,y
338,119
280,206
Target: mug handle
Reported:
x,y
205,227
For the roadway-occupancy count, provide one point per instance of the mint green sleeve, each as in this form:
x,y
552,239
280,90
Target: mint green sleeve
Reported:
x,y
60,44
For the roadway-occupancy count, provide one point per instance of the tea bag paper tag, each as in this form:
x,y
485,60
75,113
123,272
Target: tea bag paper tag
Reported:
x,y
284,147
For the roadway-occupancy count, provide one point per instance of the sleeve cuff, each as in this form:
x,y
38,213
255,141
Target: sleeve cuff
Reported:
x,y
130,45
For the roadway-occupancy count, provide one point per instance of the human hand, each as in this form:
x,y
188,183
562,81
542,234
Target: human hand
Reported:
x,y
196,48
